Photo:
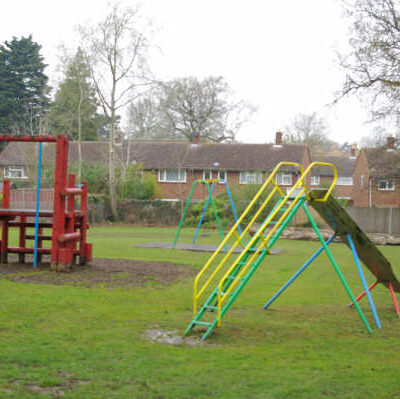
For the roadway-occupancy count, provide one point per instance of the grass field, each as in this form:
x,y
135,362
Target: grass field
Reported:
x,y
73,342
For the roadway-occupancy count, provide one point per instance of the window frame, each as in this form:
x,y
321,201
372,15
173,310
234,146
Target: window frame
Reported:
x,y
208,171
386,188
246,174
281,176
315,180
219,176
162,176
342,179
8,169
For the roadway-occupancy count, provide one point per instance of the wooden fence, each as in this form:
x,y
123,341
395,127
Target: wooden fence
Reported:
x,y
26,199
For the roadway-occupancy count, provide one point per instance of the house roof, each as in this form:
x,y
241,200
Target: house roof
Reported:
x,y
156,155
18,153
344,165
382,163
165,155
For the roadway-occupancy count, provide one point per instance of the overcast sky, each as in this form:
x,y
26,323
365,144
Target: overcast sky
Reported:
x,y
277,55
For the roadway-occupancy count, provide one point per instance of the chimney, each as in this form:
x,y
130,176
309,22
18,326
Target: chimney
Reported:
x,y
390,143
278,139
353,150
196,139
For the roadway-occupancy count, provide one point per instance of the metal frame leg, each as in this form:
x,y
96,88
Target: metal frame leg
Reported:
x,y
395,303
364,282
337,269
373,285
297,274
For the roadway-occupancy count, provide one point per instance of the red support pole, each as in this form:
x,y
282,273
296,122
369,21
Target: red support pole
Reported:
x,y
364,293
22,238
71,244
394,299
59,201
83,258
4,228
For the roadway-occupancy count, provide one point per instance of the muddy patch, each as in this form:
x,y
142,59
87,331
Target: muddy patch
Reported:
x,y
170,337
107,273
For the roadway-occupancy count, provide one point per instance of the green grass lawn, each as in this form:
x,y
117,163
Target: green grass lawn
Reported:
x,y
73,342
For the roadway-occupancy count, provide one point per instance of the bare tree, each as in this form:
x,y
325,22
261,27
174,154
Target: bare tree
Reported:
x,y
116,49
307,129
373,64
206,108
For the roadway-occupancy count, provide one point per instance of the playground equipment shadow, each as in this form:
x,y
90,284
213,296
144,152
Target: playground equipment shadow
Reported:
x,y
192,247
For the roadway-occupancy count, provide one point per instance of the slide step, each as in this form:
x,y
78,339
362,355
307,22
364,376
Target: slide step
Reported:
x,y
234,278
202,323
210,307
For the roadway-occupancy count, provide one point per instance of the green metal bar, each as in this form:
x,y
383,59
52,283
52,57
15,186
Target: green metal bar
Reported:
x,y
184,213
187,207
288,219
215,209
337,269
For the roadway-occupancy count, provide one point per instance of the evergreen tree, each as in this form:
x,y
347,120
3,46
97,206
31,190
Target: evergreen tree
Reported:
x,y
24,93
74,110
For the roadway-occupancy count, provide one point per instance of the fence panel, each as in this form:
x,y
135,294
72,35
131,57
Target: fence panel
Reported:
x,y
26,199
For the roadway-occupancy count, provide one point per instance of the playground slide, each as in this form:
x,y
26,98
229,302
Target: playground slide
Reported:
x,y
343,225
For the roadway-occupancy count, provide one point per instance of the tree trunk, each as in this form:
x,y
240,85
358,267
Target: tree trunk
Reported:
x,y
112,189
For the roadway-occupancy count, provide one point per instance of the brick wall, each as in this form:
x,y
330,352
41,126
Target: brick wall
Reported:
x,y
365,190
361,184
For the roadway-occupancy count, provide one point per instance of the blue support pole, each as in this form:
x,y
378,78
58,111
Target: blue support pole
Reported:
x,y
297,274
364,282
39,176
203,214
233,209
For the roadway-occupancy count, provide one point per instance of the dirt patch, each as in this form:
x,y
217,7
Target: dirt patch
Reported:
x,y
170,337
108,273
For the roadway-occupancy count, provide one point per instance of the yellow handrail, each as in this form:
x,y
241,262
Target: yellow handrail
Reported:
x,y
222,296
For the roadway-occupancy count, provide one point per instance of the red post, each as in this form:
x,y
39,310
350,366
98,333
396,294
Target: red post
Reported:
x,y
71,244
60,182
5,205
83,256
396,305
22,238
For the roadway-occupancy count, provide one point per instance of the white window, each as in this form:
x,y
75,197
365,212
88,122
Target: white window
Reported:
x,y
14,172
172,175
344,181
283,178
248,177
315,180
362,181
207,174
221,175
386,185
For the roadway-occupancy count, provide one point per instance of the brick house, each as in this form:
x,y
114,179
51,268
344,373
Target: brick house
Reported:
x,y
377,177
176,165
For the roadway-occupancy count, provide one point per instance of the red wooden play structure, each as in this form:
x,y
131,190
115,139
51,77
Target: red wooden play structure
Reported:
x,y
68,225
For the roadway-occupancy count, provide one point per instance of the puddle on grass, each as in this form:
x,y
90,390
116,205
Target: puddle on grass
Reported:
x,y
171,338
